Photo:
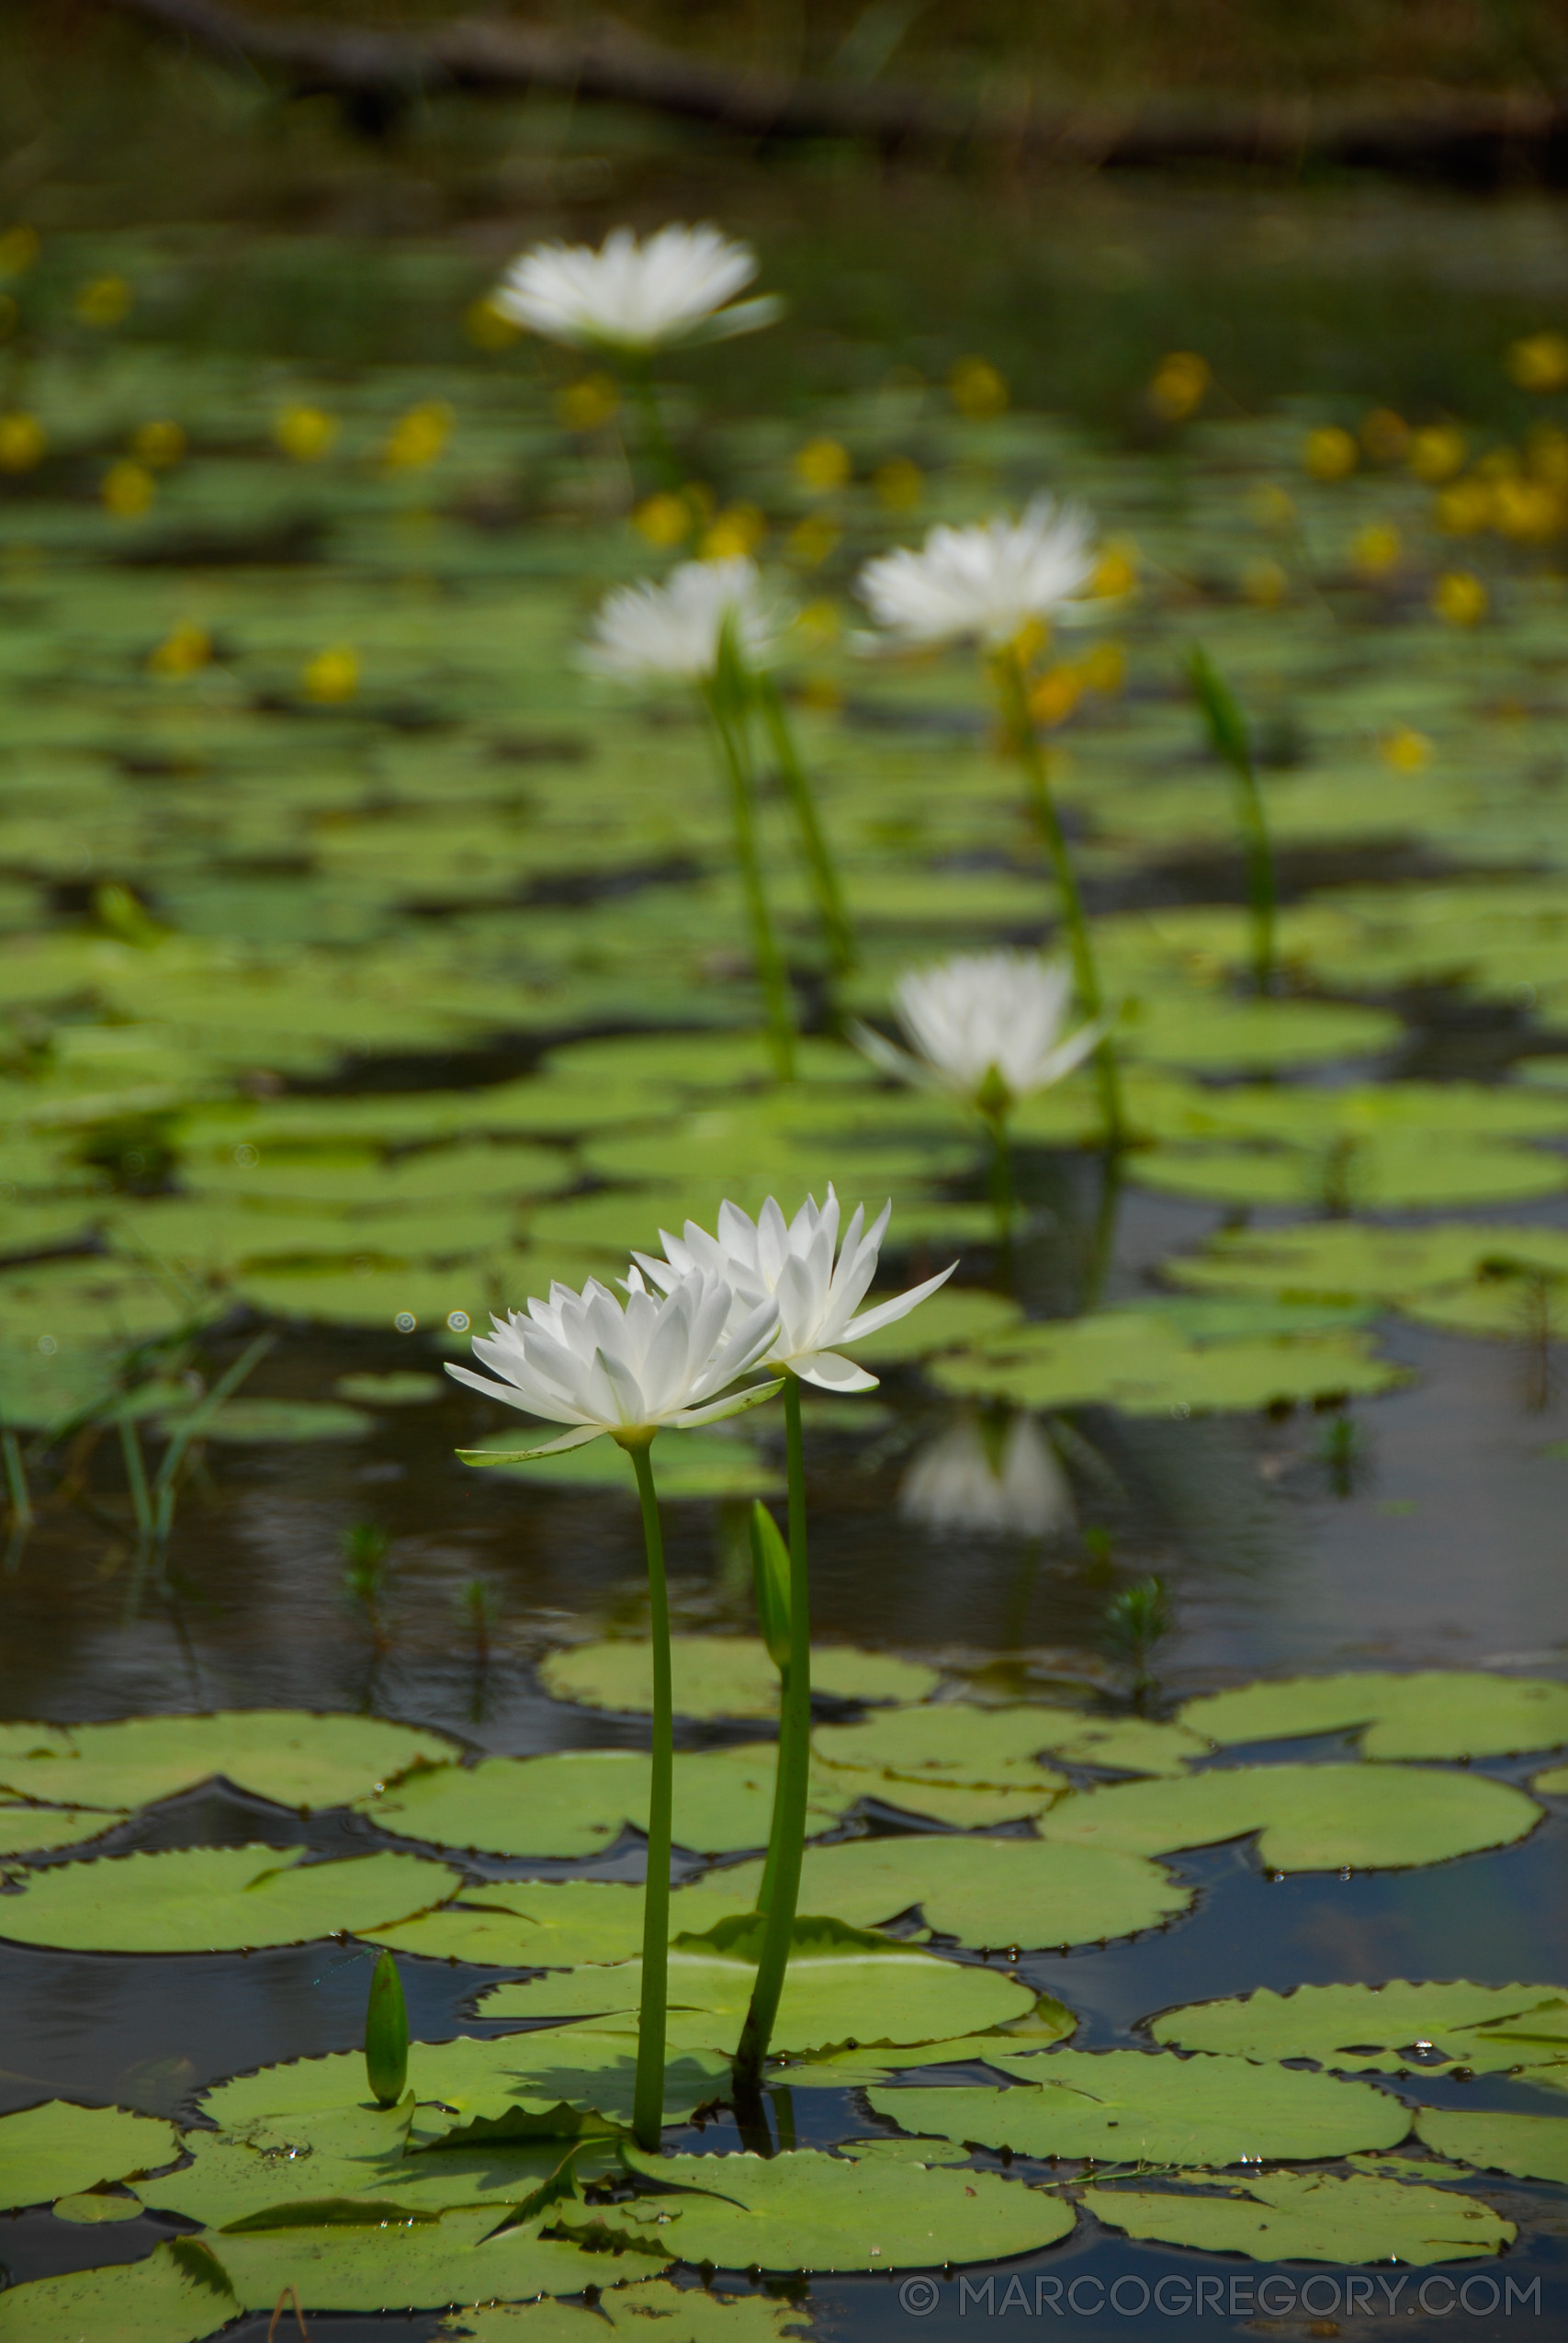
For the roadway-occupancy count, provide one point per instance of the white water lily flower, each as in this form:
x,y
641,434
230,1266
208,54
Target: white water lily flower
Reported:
x,y
602,1366
632,295
963,1482
986,1027
675,629
791,1264
987,581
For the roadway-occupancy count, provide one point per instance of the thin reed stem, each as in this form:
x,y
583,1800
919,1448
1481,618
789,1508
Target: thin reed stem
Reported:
x,y
771,971
648,2093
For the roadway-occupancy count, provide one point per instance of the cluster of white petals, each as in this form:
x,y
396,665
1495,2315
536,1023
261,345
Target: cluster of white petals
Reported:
x,y
675,629
987,581
600,1365
633,295
791,1266
963,1482
983,1018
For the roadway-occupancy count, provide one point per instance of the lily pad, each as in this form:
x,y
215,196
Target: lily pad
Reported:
x,y
460,2258
1310,1818
951,1745
58,2148
1357,1260
724,1676
808,2211
951,1319
1161,2109
249,1423
553,1924
1390,2029
1311,2216
179,2295
688,1464
684,2315
1553,1783
1140,1361
27,1830
212,1899
985,1892
1457,1712
395,1390
1535,2148
286,1754
1390,1173
1218,1034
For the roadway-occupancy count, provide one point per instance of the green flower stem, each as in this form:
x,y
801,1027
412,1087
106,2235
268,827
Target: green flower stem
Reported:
x,y
728,725
136,1476
637,376
1013,687
1228,735
16,1480
782,1886
648,2094
1004,1195
832,913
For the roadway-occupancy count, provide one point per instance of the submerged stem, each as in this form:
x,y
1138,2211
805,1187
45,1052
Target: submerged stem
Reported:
x,y
771,971
648,2095
832,913
783,1884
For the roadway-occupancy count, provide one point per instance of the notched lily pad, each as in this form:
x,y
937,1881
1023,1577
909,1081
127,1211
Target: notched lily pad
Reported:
x,y
724,1676
1388,2028
1534,2147
1311,2216
287,1755
1456,1713
179,2295
675,2314
59,2148
214,1900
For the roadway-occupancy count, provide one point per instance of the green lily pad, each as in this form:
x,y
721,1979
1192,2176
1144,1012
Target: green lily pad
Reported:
x,y
211,1899
951,1319
1390,1171
985,1892
446,1175
688,1465
808,2211
287,1755
57,2149
179,2295
1310,1818
96,2208
1161,2110
1140,1361
1128,1745
683,2315
579,1801
553,1924
1354,1261
1456,1713
27,1830
1553,1783
1316,2216
1390,2029
460,2258
1535,2148
724,1676
395,1390
951,1745
250,1423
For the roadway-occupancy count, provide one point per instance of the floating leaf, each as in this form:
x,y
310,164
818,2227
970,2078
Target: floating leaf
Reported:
x,y
58,2148
935,1760
1302,2216
285,1754
1553,1783
211,1899
554,1924
684,2315
395,1390
27,1830
460,2258
96,2208
1456,1713
268,1422
1391,2028
1533,2147
724,1676
952,1318
179,2295
1385,1171
690,1465
1311,1818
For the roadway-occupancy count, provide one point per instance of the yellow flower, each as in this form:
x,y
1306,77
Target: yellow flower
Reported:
x,y
1053,700
127,489
739,530
304,434
332,675
18,250
418,438
817,623
104,301
1269,506
1385,436
1116,571
1465,506
1330,453
1540,362
1375,550
1264,584
822,464
1526,510
23,443
489,328
590,404
977,389
184,650
1178,385
899,484
1104,669
1459,597
664,520
812,539
1437,452
158,444
1547,449
1406,750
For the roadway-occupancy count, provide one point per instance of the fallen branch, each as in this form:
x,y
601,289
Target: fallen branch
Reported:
x,y
1478,135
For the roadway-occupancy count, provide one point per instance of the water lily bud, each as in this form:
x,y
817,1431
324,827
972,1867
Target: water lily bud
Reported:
x,y
386,2034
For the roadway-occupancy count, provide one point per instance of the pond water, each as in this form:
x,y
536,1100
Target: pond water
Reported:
x,y
338,908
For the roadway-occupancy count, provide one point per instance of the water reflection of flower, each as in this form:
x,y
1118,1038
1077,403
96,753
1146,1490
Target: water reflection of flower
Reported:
x,y
988,1473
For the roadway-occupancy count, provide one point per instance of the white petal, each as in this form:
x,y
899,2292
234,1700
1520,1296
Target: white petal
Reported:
x,y
830,1373
888,1313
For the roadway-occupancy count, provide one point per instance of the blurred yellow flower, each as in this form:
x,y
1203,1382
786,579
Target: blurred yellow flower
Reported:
x,y
664,519
1459,597
590,404
977,389
304,434
1437,452
1179,382
1269,506
1053,700
418,438
1465,506
23,442
1104,669
812,539
104,301
184,650
899,484
1406,750
1330,453
1540,362
331,675
1375,551
18,250
127,489
820,693
158,444
1264,584
489,328
1547,450
739,530
817,623
1116,571
1385,436
822,464
1526,510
